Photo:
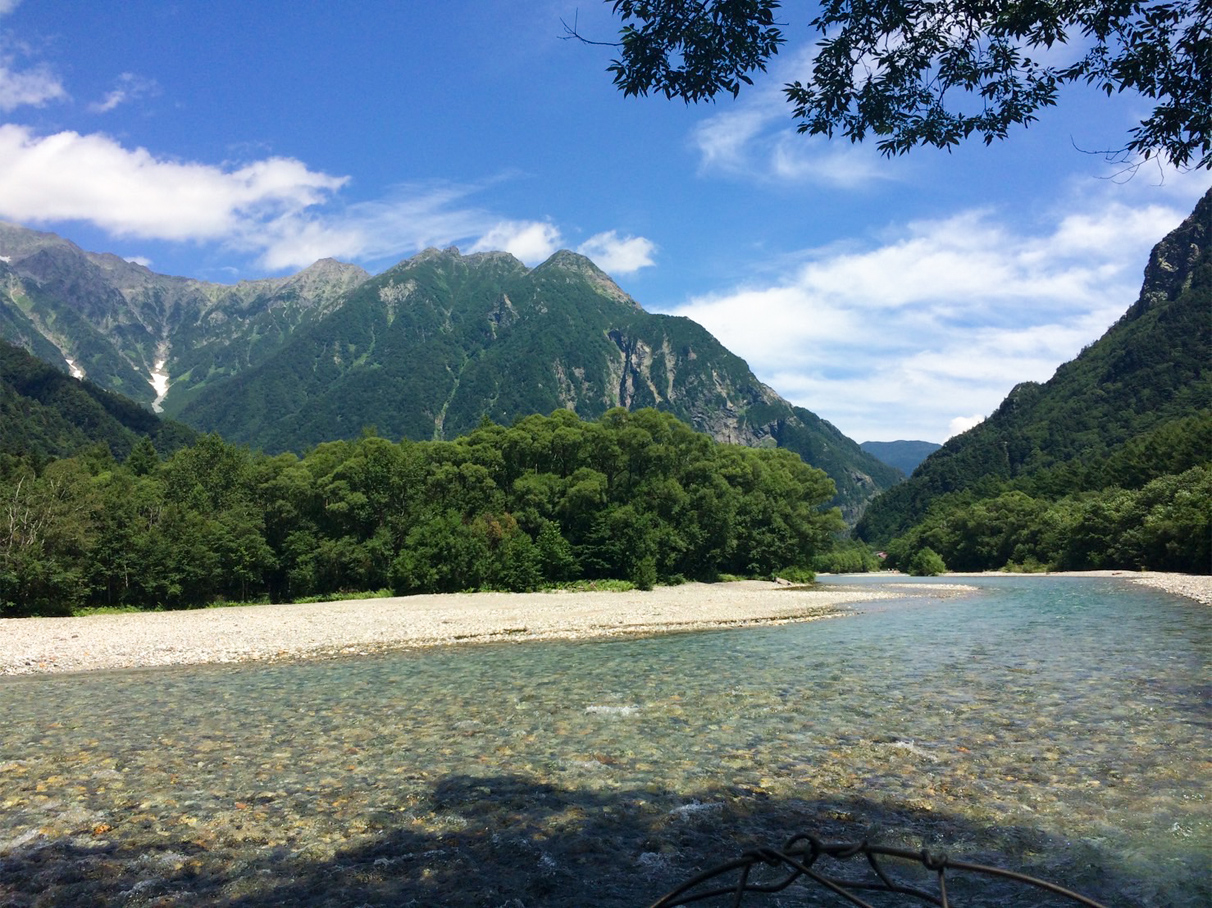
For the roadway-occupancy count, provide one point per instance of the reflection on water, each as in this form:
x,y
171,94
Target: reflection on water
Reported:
x,y
1053,725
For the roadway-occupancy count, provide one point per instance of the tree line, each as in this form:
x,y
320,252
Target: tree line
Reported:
x,y
636,496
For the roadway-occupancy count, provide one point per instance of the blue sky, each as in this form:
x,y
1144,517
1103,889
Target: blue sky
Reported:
x,y
896,298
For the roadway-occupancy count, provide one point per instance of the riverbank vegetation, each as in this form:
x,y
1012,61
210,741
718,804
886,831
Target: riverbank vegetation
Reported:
x,y
638,497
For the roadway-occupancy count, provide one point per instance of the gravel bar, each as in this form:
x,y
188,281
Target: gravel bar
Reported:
x,y
354,627
1193,586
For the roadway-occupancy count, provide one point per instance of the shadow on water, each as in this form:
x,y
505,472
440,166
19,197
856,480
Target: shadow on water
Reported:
x,y
510,841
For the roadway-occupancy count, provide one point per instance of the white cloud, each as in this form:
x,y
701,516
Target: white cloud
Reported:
x,y
962,424
32,87
68,176
530,241
275,208
893,338
618,255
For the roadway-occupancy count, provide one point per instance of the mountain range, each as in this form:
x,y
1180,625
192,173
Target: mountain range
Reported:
x,y
426,350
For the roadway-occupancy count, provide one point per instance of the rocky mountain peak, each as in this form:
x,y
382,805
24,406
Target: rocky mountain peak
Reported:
x,y
573,262
331,266
17,241
1173,259
328,277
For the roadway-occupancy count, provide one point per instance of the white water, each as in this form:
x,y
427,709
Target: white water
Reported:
x,y
75,370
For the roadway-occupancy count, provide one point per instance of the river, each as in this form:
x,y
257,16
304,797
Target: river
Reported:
x,y
1055,726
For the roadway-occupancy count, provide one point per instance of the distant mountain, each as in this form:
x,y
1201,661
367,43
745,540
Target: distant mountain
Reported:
x,y
1132,398
904,455
46,413
124,326
426,350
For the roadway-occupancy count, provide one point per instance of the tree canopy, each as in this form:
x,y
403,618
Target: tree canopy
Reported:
x,y
925,72
635,496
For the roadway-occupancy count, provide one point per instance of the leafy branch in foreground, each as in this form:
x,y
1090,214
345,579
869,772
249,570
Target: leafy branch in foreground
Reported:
x,y
924,72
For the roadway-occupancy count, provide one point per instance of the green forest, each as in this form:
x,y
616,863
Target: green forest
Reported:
x,y
634,496
1146,506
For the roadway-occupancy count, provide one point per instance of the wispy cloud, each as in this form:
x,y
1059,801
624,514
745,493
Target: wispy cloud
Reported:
x,y
30,87
129,87
756,139
921,332
410,217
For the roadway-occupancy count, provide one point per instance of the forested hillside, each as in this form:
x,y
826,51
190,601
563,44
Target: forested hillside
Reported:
x,y
433,346
1105,465
45,414
636,496
423,351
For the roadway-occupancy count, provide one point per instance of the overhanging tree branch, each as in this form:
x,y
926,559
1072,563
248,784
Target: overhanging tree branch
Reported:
x,y
936,72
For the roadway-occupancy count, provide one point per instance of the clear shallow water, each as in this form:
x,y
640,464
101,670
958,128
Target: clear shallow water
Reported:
x,y
1057,726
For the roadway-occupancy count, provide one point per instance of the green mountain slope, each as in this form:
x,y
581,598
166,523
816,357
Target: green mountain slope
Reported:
x,y
437,344
119,323
1148,373
426,350
46,413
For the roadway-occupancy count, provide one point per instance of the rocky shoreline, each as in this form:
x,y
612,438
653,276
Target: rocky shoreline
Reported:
x,y
1193,586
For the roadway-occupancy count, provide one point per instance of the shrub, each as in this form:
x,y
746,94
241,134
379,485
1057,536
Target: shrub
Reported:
x,y
926,562
847,557
644,573
796,574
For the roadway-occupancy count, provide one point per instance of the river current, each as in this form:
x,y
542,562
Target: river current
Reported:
x,y
1056,726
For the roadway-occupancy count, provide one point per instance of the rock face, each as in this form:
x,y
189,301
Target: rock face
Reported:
x,y
425,350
